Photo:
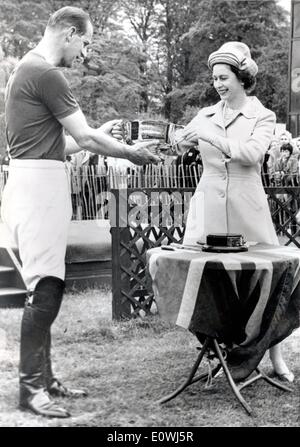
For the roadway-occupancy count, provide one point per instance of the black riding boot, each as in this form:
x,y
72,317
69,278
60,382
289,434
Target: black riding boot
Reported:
x,y
53,385
37,319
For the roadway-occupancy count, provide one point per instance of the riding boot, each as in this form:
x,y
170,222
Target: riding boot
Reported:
x,y
39,313
53,385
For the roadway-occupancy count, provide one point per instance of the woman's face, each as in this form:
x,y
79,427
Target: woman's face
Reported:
x,y
226,83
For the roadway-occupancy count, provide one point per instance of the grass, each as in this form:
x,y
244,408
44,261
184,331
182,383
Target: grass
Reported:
x,y
128,366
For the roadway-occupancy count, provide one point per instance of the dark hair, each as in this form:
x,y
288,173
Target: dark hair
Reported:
x,y
248,80
70,16
287,147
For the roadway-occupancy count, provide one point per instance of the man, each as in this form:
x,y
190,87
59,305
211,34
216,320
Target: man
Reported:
x,y
36,203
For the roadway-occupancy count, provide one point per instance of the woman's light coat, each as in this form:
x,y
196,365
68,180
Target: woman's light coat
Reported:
x,y
230,197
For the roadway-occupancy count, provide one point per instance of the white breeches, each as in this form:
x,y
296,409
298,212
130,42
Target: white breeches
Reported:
x,y
36,209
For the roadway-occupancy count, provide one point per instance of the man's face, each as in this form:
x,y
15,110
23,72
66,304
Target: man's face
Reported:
x,y
76,46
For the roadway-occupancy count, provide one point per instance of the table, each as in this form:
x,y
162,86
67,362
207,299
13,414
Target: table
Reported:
x,y
249,301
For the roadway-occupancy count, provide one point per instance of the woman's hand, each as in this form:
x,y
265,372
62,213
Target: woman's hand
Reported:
x,y
183,144
202,131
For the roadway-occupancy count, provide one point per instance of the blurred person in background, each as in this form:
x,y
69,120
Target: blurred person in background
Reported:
x,y
188,167
287,166
285,137
274,155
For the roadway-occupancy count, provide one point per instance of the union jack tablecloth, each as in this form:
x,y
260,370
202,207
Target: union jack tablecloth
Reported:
x,y
247,300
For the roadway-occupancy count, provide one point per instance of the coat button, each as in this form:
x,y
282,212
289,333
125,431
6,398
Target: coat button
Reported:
x,y
222,195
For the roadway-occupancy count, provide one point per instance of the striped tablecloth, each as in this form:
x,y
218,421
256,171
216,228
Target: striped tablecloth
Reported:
x,y
247,300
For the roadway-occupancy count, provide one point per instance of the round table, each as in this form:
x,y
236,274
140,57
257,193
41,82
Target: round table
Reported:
x,y
249,300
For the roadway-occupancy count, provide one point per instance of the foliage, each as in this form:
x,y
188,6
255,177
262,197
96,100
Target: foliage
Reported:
x,y
175,19
2,135
6,66
109,86
149,56
272,79
22,25
262,25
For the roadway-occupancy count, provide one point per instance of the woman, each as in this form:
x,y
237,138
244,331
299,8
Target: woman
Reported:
x,y
233,137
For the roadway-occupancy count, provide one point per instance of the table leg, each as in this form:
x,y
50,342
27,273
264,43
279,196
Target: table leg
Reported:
x,y
205,376
230,379
191,375
212,342
261,375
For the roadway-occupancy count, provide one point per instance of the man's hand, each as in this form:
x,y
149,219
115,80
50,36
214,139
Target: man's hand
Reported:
x,y
118,131
113,128
142,153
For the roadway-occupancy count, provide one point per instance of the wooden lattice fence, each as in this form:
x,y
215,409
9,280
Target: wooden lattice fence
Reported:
x,y
144,218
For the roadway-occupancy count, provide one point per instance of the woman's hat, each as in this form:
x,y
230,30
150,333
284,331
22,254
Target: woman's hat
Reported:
x,y
236,54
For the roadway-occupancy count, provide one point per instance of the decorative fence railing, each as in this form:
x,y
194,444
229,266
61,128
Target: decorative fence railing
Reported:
x,y
89,192
90,184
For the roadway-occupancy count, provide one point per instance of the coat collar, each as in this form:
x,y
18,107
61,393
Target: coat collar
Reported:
x,y
250,110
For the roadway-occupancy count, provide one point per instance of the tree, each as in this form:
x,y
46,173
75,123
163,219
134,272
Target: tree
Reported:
x,y
7,65
157,63
158,26
111,89
141,15
109,84
262,25
22,24
175,19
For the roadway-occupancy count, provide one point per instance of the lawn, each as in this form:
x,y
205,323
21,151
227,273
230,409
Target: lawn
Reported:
x,y
128,366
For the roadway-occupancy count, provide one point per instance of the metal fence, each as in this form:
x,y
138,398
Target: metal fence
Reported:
x,y
91,187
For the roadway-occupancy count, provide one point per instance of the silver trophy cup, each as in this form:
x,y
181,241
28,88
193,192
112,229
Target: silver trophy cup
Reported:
x,y
146,130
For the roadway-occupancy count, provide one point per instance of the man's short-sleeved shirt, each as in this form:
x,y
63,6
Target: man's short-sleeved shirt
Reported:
x,y
37,95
